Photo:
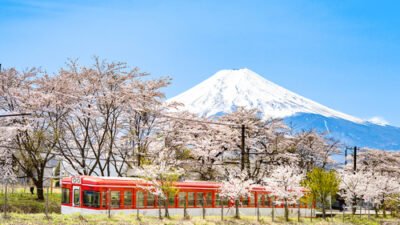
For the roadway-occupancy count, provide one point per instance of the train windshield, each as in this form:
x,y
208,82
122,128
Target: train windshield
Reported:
x,y
65,198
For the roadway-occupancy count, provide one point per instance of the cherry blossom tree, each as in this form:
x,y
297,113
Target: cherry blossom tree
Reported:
x,y
285,183
381,189
7,169
36,143
315,150
378,161
205,142
235,187
265,141
353,186
110,116
10,81
143,115
161,174
32,148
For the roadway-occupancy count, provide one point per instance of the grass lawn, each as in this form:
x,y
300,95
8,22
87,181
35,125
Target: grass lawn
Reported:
x,y
21,201
27,210
36,219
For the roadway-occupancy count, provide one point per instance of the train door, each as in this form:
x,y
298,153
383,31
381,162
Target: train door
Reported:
x,y
76,196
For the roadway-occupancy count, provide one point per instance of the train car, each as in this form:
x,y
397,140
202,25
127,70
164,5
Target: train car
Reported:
x,y
104,195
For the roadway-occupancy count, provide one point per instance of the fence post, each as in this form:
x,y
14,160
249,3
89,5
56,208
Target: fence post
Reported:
x,y
311,208
159,207
109,203
5,201
343,214
222,208
258,210
204,206
369,211
185,214
330,205
51,185
273,211
47,203
298,210
361,205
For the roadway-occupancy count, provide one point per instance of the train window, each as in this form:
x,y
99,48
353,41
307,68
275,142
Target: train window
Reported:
x,y
161,201
221,200
260,200
103,199
115,199
76,197
182,199
139,199
91,199
209,199
252,200
127,199
65,198
199,199
267,201
150,200
217,200
171,200
245,201
191,199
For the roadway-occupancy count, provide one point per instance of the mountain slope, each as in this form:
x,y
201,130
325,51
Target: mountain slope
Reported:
x,y
227,89
350,133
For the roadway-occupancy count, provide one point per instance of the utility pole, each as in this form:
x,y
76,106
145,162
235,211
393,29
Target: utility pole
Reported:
x,y
355,159
243,148
345,157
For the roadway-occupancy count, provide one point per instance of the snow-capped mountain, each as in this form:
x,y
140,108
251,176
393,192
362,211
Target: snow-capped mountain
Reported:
x,y
227,89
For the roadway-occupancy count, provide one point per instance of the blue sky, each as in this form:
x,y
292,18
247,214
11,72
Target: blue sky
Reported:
x,y
343,54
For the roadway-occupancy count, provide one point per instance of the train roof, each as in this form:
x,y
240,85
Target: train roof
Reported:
x,y
138,182
131,181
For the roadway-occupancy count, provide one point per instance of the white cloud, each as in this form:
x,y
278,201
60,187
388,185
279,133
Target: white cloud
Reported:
x,y
378,120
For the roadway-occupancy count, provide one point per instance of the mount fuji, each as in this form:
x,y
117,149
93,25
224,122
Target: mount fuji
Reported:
x,y
228,89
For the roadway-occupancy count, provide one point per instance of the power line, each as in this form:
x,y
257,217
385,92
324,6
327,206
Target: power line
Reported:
x,y
113,160
164,115
199,121
16,114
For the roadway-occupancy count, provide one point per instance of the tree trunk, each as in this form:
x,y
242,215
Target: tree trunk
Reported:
x,y
286,210
384,209
354,206
39,190
159,208
166,209
323,210
237,215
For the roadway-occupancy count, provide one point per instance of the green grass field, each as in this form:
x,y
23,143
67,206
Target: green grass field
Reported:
x,y
36,219
25,209
20,201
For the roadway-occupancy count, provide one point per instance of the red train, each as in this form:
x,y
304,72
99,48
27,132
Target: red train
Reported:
x,y
86,194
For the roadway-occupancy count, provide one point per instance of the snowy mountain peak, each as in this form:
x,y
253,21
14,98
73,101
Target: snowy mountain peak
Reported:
x,y
227,89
